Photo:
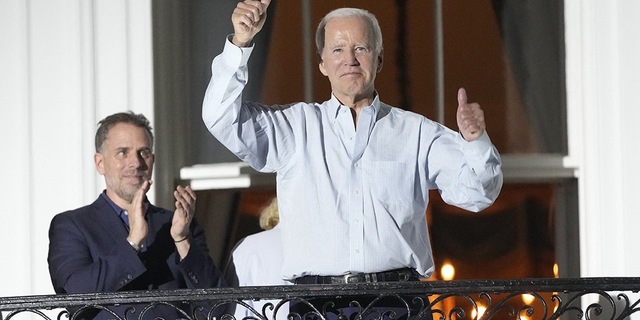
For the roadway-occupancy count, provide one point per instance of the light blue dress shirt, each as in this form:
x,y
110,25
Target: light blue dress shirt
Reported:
x,y
350,200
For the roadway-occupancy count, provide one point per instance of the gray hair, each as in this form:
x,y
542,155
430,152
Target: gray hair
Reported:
x,y
374,27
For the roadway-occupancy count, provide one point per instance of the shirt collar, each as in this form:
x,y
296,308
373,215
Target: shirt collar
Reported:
x,y
335,105
116,208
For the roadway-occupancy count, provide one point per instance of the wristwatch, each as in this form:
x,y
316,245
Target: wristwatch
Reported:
x,y
135,246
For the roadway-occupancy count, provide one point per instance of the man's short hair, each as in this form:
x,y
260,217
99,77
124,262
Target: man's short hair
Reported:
x,y
138,120
374,27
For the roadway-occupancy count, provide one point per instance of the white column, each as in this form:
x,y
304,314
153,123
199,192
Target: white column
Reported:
x,y
603,77
15,162
64,65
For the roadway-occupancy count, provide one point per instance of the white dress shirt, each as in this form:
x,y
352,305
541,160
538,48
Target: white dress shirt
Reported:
x,y
257,261
349,200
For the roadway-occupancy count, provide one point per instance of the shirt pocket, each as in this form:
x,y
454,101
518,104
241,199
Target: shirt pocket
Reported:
x,y
393,184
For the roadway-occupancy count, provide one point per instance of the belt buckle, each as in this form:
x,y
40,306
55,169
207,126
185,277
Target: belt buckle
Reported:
x,y
403,276
348,276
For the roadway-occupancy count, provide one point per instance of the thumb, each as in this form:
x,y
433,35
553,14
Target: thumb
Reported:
x,y
462,96
144,188
267,2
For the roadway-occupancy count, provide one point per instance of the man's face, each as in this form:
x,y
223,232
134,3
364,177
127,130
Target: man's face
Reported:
x,y
125,160
349,58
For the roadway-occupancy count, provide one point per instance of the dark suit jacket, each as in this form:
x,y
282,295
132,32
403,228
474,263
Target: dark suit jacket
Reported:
x,y
88,252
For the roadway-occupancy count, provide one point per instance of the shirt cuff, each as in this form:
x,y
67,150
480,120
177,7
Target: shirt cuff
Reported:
x,y
235,56
477,148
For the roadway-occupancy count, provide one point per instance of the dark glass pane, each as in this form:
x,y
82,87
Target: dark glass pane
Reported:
x,y
509,55
514,238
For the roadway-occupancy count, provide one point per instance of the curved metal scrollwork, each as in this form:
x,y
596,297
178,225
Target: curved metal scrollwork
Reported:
x,y
33,311
550,299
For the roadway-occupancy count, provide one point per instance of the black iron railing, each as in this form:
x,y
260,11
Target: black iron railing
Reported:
x,y
520,299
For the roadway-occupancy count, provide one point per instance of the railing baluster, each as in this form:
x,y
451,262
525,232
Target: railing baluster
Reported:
x,y
616,299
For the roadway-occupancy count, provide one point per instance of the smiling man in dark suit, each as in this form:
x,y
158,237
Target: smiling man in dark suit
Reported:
x,y
121,242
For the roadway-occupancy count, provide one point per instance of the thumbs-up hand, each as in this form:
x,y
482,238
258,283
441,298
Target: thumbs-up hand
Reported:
x,y
248,19
470,117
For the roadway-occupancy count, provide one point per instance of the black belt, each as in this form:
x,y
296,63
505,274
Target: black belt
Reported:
x,y
405,274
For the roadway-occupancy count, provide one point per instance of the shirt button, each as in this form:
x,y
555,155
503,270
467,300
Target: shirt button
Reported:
x,y
356,164
356,192
357,250
356,220
350,138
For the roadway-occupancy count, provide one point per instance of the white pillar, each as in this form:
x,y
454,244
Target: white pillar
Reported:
x,y
64,65
603,77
